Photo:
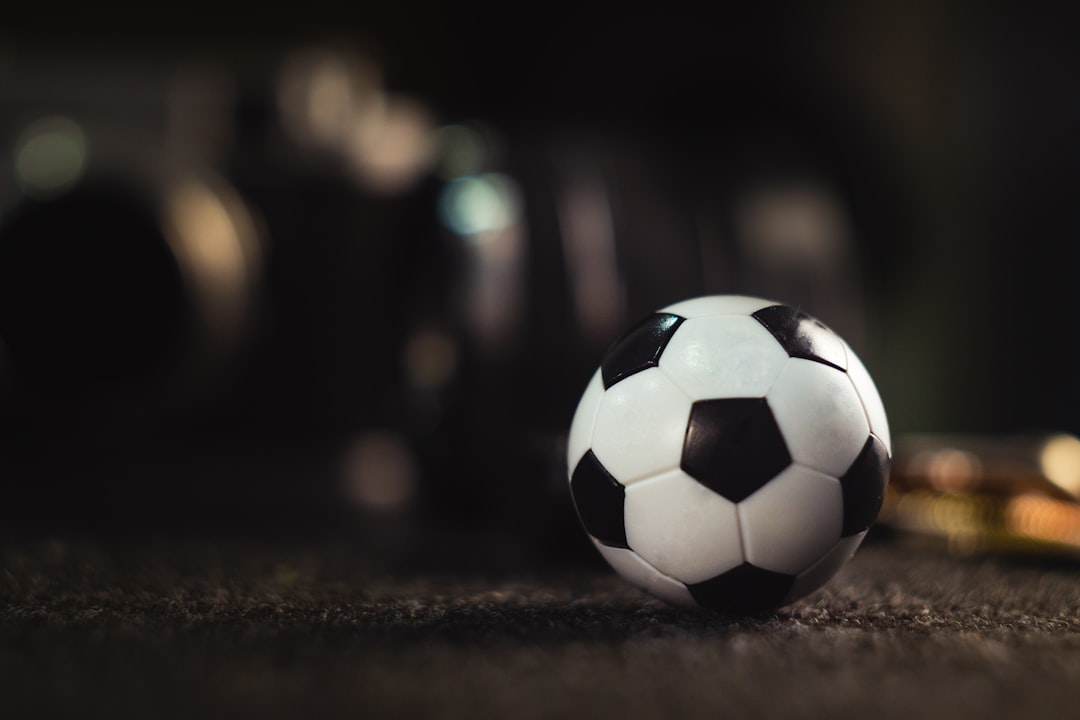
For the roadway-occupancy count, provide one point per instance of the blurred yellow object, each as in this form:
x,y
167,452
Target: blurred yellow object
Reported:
x,y
988,494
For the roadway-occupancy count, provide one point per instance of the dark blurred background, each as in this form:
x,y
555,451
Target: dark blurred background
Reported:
x,y
305,267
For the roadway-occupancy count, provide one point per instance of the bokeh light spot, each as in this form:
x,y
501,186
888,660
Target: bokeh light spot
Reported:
x,y
1060,462
479,204
379,472
430,359
50,156
461,151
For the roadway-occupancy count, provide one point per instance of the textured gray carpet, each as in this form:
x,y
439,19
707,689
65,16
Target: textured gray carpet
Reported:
x,y
227,629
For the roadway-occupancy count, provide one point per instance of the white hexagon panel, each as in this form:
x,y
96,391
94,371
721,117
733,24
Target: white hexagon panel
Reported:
x,y
868,393
640,573
682,528
640,426
718,305
798,502
830,563
581,428
726,356
820,415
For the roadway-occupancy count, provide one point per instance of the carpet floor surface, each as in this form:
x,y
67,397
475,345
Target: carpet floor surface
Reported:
x,y
186,628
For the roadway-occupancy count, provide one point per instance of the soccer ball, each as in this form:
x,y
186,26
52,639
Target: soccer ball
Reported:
x,y
730,452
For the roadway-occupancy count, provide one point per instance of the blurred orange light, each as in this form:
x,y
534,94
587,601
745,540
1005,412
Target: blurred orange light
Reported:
x,y
1059,460
319,93
390,144
1045,519
216,242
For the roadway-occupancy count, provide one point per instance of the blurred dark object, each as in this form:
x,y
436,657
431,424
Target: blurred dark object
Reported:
x,y
409,311
450,220
115,301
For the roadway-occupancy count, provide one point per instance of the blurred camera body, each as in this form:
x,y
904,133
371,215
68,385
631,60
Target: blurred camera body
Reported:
x,y
289,292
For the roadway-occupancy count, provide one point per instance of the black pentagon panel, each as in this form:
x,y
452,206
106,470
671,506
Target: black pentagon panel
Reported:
x,y
745,589
864,486
599,499
640,348
733,446
803,336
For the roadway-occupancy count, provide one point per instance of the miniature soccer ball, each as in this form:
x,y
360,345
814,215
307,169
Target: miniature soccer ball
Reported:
x,y
730,452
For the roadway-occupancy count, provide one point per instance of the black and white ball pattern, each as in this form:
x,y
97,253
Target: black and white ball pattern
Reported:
x,y
730,452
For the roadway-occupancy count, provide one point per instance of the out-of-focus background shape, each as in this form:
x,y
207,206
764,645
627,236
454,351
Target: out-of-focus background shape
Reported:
x,y
301,267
